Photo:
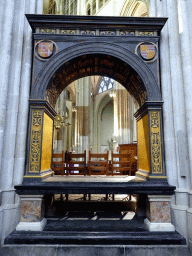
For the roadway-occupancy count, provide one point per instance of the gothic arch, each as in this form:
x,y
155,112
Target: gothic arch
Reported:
x,y
128,7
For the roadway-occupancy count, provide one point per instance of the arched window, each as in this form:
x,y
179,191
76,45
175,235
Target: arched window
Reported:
x,y
105,84
88,9
70,7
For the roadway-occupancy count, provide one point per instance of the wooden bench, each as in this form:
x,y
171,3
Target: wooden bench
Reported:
x,y
98,163
75,164
121,164
58,163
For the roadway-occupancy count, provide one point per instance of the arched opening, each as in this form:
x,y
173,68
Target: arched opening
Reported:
x,y
125,68
122,49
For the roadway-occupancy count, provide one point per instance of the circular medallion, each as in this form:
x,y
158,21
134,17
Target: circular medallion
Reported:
x,y
147,51
44,49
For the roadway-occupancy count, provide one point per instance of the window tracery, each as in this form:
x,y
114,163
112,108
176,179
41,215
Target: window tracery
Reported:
x,y
105,84
93,6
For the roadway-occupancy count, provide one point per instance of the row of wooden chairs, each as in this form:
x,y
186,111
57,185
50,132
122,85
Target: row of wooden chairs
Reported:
x,y
98,164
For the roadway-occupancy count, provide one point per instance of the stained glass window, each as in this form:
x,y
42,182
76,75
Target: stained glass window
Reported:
x,y
105,84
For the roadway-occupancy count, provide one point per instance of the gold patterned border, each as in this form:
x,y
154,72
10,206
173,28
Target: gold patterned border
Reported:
x,y
156,152
97,32
35,141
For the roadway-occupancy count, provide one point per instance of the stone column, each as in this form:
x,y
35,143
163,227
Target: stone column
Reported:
x,y
123,116
187,78
168,118
22,119
158,213
13,98
180,174
82,107
183,197
32,213
152,8
7,36
177,92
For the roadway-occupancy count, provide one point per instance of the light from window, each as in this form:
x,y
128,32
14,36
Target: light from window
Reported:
x,y
105,84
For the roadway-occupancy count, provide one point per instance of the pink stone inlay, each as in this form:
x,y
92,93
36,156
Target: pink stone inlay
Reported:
x,y
160,212
31,211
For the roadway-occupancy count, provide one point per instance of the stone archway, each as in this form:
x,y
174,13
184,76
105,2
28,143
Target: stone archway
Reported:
x,y
77,53
125,49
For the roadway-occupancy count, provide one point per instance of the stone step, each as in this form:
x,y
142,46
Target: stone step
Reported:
x,y
100,224
82,237
94,250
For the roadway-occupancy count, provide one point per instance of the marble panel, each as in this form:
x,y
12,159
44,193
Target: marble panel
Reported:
x,y
159,212
31,210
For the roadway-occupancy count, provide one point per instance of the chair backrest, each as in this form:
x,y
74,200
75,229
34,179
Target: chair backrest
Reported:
x,y
58,163
121,164
75,163
98,163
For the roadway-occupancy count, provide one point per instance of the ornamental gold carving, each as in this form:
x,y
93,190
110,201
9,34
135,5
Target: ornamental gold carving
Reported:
x,y
107,33
68,32
127,33
48,31
35,143
156,155
88,32
145,33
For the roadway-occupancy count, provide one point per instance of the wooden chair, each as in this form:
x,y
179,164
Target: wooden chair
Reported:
x,y
98,163
121,164
75,163
58,163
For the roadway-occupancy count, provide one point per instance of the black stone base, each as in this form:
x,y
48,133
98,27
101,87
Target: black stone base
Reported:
x,y
100,238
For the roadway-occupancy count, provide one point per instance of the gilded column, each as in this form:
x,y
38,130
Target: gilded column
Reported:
x,y
150,141
40,137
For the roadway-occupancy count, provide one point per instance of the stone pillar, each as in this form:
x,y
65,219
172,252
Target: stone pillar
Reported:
x,y
184,199
123,116
168,115
7,36
152,8
13,99
32,213
158,213
82,114
177,162
23,107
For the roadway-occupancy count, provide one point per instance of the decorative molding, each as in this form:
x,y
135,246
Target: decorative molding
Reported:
x,y
107,33
114,32
88,32
68,32
146,33
47,31
127,33
155,134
